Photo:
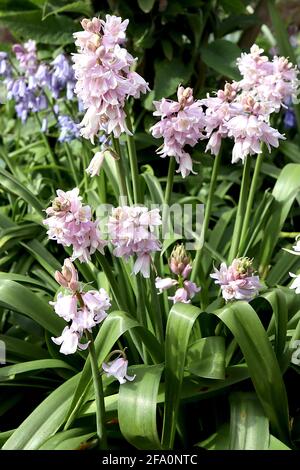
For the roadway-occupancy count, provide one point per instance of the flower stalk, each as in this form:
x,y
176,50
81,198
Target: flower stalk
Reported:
x,y
99,396
119,167
133,162
240,210
250,200
207,213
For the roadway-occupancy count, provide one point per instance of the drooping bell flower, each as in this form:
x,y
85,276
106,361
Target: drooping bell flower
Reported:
x,y
237,281
181,123
70,224
131,232
104,79
118,369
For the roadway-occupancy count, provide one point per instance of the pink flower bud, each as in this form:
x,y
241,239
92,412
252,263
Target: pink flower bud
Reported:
x,y
187,271
179,260
68,277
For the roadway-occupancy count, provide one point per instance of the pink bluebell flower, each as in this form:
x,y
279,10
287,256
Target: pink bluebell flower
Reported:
x,y
104,79
131,232
181,123
118,369
237,281
70,224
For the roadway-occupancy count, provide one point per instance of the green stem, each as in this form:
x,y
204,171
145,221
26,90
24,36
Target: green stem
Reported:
x,y
156,311
141,310
71,163
107,269
166,220
235,243
207,214
119,168
86,154
51,153
133,163
99,396
101,183
250,200
170,180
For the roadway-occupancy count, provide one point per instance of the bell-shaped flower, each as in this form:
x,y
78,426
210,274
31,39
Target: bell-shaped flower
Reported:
x,y
296,283
95,164
69,341
65,306
118,369
181,295
191,288
97,302
165,283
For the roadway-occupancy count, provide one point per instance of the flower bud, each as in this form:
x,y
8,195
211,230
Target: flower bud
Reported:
x,y
68,277
179,261
243,267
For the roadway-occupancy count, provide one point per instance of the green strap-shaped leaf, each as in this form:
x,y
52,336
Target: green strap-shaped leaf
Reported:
x,y
285,190
249,426
154,186
20,349
277,300
192,389
67,440
22,279
116,324
264,370
12,185
137,408
43,256
206,357
44,421
276,444
179,326
21,299
30,366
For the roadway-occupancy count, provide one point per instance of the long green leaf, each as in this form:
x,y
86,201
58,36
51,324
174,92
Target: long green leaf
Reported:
x,y
9,371
44,421
137,408
12,185
180,323
264,370
249,426
285,190
19,298
206,357
116,324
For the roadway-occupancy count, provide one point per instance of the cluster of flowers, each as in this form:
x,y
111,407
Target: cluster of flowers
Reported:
x,y
181,124
237,281
84,309
70,224
180,265
33,82
296,282
241,111
104,79
131,232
